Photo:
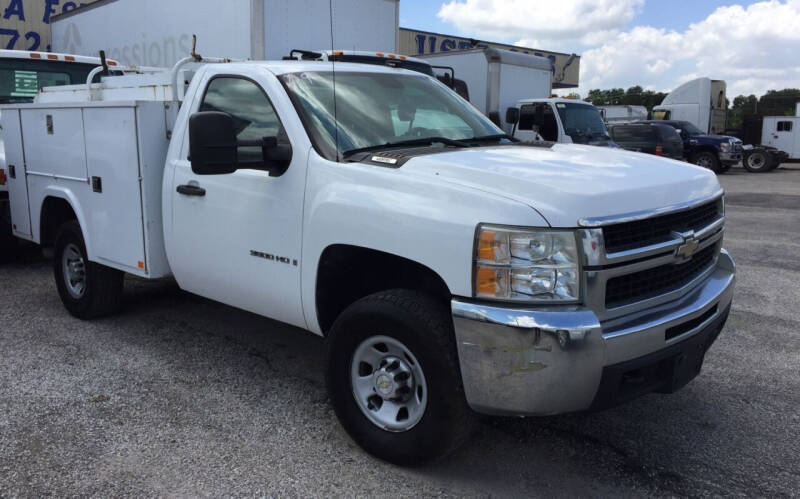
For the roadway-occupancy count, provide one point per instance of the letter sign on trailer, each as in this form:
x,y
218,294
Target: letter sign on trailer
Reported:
x,y
25,24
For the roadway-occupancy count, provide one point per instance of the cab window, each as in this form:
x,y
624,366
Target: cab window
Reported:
x,y
540,116
252,112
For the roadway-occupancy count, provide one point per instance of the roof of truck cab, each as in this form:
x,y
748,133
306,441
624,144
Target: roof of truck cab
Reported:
x,y
53,57
286,67
555,99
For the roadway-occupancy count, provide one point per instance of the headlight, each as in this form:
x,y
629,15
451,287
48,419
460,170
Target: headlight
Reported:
x,y
526,265
725,146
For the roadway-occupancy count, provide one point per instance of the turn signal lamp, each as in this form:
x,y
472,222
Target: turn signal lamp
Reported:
x,y
537,266
3,178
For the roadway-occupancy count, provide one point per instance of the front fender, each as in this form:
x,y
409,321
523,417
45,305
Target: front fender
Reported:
x,y
391,210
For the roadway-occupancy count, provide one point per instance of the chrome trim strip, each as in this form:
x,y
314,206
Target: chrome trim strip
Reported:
x,y
57,177
641,215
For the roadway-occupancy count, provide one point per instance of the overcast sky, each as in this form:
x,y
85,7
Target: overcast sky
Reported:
x,y
754,46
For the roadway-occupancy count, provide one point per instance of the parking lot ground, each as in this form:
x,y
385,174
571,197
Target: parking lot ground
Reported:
x,y
185,397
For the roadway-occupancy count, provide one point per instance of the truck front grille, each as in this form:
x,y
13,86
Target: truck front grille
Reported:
x,y
639,233
658,280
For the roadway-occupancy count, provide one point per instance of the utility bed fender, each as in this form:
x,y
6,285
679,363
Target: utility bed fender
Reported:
x,y
65,193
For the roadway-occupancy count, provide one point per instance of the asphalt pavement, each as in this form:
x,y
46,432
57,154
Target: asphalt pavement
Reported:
x,y
180,396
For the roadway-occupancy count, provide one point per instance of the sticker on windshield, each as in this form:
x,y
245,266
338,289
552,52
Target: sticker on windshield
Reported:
x,y
381,159
561,105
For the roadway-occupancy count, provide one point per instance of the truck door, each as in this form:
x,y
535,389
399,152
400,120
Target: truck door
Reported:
x,y
236,238
781,135
15,170
537,118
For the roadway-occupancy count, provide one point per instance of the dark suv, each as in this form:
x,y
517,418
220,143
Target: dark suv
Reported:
x,y
718,153
651,138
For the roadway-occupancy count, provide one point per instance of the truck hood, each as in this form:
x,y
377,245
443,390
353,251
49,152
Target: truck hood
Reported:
x,y
568,182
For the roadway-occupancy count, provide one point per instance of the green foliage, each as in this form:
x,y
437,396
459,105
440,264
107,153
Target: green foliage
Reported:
x,y
773,103
634,96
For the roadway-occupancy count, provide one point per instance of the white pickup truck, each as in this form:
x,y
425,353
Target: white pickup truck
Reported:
x,y
451,270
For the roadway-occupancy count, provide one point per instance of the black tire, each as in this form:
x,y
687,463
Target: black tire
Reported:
x,y
706,159
426,328
102,291
9,248
725,167
758,161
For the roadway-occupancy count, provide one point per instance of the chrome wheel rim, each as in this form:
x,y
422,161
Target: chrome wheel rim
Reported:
x,y
388,384
704,161
74,268
755,160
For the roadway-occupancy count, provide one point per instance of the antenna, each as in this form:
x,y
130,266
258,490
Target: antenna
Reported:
x,y
333,68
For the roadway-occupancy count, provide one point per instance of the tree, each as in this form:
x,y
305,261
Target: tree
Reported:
x,y
634,96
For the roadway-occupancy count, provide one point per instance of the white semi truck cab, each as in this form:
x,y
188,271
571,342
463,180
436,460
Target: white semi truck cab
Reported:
x,y
452,270
566,121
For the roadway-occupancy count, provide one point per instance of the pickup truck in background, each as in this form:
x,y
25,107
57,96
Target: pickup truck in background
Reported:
x,y
650,138
22,74
718,153
566,121
451,269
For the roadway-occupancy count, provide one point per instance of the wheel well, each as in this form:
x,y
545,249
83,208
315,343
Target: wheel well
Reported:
x,y
348,273
55,212
705,149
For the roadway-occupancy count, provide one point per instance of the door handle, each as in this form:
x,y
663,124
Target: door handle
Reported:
x,y
191,190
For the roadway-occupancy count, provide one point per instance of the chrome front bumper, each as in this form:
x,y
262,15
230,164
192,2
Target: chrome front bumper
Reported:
x,y
730,157
541,361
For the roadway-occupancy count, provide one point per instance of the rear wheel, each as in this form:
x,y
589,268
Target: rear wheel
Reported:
x,y
9,248
725,167
706,159
394,380
757,161
87,289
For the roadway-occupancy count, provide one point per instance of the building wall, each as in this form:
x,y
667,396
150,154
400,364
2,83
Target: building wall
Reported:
x,y
413,42
25,24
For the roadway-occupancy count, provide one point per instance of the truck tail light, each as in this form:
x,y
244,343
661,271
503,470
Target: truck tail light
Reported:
x,y
659,150
3,178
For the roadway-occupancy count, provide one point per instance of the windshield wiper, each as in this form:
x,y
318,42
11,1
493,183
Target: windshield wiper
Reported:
x,y
488,138
413,142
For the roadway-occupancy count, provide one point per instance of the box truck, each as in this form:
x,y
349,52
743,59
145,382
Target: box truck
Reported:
x,y
497,79
159,33
451,270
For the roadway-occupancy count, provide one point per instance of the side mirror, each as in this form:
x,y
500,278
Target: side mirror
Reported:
x,y
212,143
512,115
214,148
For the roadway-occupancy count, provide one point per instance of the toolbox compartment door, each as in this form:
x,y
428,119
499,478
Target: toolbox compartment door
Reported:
x,y
114,213
15,171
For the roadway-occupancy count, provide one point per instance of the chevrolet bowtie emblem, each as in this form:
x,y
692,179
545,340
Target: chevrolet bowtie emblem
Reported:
x,y
687,249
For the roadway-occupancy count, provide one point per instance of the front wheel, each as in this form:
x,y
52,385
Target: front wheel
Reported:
x,y
706,159
87,289
394,379
757,161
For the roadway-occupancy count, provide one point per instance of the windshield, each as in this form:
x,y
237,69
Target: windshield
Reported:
x,y
582,122
21,79
689,128
376,109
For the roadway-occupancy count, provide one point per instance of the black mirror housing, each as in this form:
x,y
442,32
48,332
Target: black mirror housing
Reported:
x,y
212,143
214,148
512,115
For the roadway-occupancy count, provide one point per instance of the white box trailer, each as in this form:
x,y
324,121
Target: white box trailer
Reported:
x,y
498,78
782,133
159,32
622,113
